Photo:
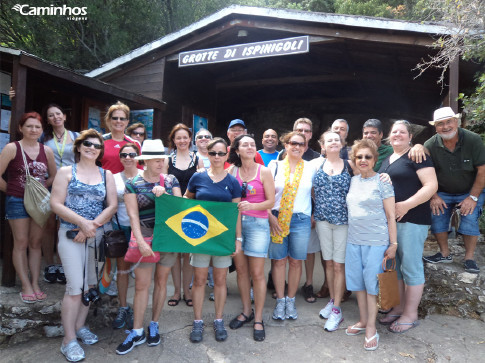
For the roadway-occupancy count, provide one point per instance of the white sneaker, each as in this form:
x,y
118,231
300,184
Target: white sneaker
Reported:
x,y
334,320
327,310
279,312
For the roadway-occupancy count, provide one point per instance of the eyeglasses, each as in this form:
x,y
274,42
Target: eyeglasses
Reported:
x,y
296,143
200,137
366,157
119,118
303,131
214,153
137,133
89,144
244,187
236,130
125,155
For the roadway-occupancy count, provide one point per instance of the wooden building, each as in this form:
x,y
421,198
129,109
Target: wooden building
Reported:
x,y
355,68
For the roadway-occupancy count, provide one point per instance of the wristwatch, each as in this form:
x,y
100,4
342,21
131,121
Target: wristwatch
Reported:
x,y
475,199
239,239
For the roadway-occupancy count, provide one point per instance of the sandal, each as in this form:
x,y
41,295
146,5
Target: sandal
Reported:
x,y
28,298
236,323
323,293
188,302
259,335
367,341
389,322
40,296
412,325
307,292
353,327
173,302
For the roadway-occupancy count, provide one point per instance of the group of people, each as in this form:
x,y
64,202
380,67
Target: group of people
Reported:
x,y
356,205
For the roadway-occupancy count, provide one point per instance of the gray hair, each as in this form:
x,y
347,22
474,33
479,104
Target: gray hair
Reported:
x,y
200,130
373,122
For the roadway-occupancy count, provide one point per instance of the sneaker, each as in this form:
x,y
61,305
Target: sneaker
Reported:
x,y
73,351
86,336
60,277
112,289
210,278
197,331
211,296
50,274
334,320
437,258
124,316
153,338
471,267
219,330
131,341
290,308
279,312
327,310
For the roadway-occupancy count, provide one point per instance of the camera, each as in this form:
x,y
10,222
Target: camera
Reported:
x,y
91,296
71,234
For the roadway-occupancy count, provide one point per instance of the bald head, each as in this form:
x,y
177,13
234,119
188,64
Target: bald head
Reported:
x,y
270,141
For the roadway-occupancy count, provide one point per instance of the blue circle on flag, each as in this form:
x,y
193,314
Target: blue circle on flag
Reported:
x,y
195,225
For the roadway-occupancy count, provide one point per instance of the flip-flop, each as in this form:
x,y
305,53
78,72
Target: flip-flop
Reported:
x,y
367,341
28,298
395,317
359,330
412,325
40,296
173,302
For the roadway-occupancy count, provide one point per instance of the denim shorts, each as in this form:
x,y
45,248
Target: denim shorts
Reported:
x,y
256,236
362,264
14,208
409,261
468,224
295,244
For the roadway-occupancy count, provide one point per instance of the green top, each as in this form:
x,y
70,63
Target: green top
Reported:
x,y
456,170
384,151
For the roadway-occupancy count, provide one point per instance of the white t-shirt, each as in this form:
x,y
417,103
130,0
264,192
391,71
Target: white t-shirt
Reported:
x,y
303,199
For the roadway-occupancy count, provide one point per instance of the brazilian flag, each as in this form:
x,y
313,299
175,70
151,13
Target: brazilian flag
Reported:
x,y
194,226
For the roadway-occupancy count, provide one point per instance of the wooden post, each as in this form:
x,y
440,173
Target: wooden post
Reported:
x,y
454,72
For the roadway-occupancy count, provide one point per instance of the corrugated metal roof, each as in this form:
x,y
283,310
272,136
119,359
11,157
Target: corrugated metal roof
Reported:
x,y
283,14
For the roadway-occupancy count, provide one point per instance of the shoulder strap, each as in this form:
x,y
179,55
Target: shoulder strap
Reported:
x,y
162,180
27,171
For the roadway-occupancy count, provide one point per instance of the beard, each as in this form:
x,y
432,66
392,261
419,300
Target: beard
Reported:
x,y
448,136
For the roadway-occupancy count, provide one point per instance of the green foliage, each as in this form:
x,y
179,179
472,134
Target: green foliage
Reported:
x,y
397,9
474,106
324,6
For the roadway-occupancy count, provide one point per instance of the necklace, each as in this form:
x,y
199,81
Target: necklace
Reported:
x,y
59,137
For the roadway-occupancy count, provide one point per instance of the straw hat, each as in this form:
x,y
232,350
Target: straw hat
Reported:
x,y
443,113
152,149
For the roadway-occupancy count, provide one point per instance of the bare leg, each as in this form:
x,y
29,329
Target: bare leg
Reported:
x,y
338,282
329,278
371,330
159,290
294,276
20,232
470,245
49,236
442,239
411,301
35,254
279,273
256,266
220,290
362,303
198,290
122,280
143,277
187,273
309,266
243,282
71,304
177,282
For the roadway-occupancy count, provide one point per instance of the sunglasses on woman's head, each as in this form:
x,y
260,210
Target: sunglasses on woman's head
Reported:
x,y
296,143
200,137
119,118
89,144
244,187
366,157
125,155
138,133
218,153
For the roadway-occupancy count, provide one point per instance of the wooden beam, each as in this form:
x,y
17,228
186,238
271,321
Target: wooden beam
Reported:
x,y
286,81
91,83
19,84
454,72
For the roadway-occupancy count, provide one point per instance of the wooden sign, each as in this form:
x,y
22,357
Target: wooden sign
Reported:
x,y
269,48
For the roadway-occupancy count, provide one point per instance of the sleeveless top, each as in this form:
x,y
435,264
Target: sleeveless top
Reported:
x,y
67,152
16,171
183,176
84,199
254,194
330,195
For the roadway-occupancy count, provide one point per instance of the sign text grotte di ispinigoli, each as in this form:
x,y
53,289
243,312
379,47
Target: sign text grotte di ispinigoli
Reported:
x,y
269,48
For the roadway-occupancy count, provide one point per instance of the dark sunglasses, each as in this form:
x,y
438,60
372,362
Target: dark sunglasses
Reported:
x,y
138,133
296,143
125,155
366,157
200,137
244,187
119,118
89,144
214,153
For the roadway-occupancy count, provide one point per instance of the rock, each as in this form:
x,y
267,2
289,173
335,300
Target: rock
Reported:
x,y
467,278
53,331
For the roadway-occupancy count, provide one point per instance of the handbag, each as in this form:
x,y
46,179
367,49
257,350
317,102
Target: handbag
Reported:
x,y
36,196
388,286
133,254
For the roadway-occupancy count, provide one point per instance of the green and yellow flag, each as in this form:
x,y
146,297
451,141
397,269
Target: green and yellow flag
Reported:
x,y
194,226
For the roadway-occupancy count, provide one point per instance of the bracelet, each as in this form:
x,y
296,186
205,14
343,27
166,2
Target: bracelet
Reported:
x,y
393,243
239,239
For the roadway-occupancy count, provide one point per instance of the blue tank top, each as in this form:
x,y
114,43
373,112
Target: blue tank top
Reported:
x,y
84,199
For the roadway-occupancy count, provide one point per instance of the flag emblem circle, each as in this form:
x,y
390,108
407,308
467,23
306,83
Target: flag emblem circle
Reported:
x,y
195,225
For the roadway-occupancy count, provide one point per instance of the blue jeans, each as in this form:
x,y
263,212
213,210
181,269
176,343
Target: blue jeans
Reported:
x,y
295,244
468,224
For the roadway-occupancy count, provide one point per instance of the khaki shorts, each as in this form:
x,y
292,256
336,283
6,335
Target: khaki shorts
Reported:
x,y
202,261
167,259
333,240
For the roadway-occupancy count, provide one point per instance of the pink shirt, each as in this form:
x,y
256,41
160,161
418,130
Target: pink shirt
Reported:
x,y
254,194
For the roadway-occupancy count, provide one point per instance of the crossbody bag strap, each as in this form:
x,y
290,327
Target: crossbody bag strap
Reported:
x,y
27,172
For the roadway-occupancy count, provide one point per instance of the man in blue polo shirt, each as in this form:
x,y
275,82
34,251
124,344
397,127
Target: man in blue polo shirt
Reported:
x,y
459,159
270,142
